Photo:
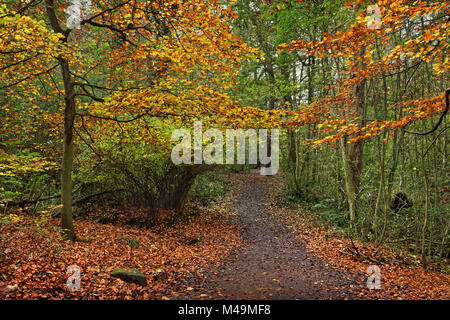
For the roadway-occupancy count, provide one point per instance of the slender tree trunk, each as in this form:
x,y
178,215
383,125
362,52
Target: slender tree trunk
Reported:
x,y
444,239
69,116
67,162
425,218
353,153
349,183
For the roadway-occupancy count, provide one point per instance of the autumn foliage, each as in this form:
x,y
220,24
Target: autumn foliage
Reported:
x,y
365,53
359,89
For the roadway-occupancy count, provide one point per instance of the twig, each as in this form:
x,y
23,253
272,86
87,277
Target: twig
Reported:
x,y
356,252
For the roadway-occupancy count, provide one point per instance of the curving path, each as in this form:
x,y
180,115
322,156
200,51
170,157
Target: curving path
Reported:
x,y
272,263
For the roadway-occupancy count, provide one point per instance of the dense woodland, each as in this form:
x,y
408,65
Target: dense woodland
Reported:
x,y
359,90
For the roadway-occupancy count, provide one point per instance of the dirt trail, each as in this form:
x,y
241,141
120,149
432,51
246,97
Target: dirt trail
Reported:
x,y
272,263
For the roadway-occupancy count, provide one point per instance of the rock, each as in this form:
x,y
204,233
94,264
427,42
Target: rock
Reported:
x,y
130,275
12,288
400,202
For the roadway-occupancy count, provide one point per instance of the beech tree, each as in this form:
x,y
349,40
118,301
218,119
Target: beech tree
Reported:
x,y
181,54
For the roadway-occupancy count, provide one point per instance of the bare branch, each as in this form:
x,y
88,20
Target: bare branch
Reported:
x,y
441,118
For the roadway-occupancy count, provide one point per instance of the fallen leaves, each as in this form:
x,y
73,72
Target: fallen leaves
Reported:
x,y
398,280
38,266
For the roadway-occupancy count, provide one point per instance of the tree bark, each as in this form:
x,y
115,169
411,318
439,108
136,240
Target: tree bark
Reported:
x,y
353,153
69,116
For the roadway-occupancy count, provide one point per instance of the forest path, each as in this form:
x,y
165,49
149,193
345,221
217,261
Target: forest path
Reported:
x,y
271,263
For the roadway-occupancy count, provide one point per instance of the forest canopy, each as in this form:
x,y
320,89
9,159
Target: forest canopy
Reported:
x,y
92,91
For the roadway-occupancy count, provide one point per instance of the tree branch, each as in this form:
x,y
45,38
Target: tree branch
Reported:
x,y
441,118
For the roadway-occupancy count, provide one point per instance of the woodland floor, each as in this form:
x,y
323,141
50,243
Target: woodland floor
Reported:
x,y
248,246
285,255
271,263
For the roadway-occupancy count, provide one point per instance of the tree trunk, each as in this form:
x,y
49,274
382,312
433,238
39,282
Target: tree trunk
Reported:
x,y
66,168
353,161
69,116
349,183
